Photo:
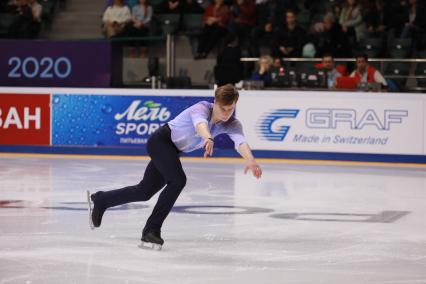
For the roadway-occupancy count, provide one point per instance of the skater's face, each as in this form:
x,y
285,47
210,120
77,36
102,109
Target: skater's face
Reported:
x,y
223,112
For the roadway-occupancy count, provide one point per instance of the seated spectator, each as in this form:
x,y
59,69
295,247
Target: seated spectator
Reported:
x,y
263,72
266,20
277,69
172,7
365,73
400,16
352,21
367,5
330,38
216,19
277,63
336,10
115,19
141,19
378,19
243,19
128,3
22,28
327,65
192,7
180,7
131,3
420,23
289,39
37,10
415,27
409,23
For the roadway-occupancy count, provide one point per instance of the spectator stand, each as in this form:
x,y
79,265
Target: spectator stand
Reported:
x,y
397,70
9,17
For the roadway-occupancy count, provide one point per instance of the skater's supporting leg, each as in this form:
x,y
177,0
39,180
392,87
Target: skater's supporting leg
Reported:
x,y
165,157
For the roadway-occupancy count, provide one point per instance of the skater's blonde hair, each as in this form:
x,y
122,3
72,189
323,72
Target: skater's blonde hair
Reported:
x,y
226,95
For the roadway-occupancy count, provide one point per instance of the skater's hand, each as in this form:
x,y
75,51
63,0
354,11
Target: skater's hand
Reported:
x,y
208,147
254,168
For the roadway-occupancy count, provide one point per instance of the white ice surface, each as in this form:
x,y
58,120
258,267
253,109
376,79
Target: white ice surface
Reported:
x,y
48,240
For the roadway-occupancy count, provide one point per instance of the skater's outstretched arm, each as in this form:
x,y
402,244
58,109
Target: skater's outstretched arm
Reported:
x,y
204,132
251,163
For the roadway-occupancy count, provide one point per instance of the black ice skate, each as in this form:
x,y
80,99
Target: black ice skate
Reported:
x,y
152,240
95,214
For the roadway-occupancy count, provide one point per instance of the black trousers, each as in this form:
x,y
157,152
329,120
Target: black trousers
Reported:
x,y
164,169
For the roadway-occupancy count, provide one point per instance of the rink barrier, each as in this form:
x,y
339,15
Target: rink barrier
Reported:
x,y
219,154
325,126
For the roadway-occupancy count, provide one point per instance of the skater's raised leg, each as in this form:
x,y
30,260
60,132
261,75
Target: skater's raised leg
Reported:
x,y
151,183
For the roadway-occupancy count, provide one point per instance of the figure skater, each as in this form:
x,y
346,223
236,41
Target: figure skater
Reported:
x,y
192,129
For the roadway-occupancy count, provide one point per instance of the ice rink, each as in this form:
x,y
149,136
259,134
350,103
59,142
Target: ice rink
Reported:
x,y
301,223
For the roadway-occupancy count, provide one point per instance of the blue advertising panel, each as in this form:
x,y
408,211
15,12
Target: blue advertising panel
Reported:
x,y
99,120
55,63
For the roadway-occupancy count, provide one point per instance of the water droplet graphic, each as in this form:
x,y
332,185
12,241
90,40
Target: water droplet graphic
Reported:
x,y
106,108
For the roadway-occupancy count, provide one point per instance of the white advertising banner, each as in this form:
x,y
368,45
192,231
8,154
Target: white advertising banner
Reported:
x,y
381,123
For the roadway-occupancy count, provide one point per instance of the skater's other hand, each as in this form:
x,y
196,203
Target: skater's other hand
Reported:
x,y
254,168
208,147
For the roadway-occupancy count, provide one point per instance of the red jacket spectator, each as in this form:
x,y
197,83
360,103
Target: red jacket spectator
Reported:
x,y
370,75
340,68
217,11
244,12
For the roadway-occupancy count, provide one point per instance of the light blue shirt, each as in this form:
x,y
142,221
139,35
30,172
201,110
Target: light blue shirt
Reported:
x,y
183,127
139,13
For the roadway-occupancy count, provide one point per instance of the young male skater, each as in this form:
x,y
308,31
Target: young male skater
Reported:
x,y
192,129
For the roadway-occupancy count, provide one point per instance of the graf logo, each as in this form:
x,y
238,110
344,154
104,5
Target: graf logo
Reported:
x,y
333,118
271,126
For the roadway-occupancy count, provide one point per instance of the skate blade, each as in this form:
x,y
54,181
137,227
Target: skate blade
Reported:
x,y
89,207
150,246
